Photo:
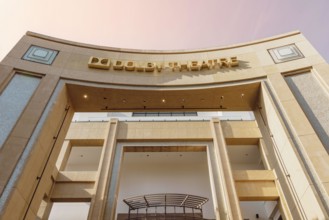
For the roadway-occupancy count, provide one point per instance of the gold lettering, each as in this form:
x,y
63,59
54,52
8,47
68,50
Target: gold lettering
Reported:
x,y
159,67
194,65
118,65
204,65
105,63
99,63
234,62
130,66
150,67
210,64
224,62
184,66
174,66
213,63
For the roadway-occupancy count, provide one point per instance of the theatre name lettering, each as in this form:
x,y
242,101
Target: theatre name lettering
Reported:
x,y
139,66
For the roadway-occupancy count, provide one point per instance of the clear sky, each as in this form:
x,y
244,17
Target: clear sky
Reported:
x,y
166,24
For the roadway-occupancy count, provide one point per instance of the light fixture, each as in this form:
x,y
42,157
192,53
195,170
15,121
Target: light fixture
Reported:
x,y
85,96
163,100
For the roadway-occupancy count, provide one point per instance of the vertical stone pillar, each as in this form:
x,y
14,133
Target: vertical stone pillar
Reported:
x,y
20,171
279,127
41,163
98,202
302,100
233,211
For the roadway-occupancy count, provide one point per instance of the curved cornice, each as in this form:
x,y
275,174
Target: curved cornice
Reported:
x,y
137,51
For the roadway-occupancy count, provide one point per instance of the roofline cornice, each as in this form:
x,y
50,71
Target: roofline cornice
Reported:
x,y
139,51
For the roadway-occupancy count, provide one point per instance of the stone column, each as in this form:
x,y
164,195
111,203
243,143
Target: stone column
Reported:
x,y
27,147
98,203
233,210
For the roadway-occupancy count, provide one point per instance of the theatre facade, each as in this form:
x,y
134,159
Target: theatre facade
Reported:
x,y
271,165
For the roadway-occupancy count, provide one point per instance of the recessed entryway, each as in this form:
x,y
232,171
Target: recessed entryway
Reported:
x,y
171,171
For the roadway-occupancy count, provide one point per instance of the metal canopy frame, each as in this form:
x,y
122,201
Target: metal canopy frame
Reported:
x,y
165,200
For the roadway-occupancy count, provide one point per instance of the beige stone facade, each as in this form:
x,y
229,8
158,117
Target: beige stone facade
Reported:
x,y
282,80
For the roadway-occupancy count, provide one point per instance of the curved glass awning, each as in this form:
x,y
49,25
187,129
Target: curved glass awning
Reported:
x,y
166,200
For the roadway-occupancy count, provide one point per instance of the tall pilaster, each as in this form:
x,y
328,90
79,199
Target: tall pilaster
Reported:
x,y
233,207
98,205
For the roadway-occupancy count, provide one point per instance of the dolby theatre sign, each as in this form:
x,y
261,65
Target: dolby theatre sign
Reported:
x,y
139,66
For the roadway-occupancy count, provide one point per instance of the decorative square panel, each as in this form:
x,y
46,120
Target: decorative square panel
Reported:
x,y
285,53
40,55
